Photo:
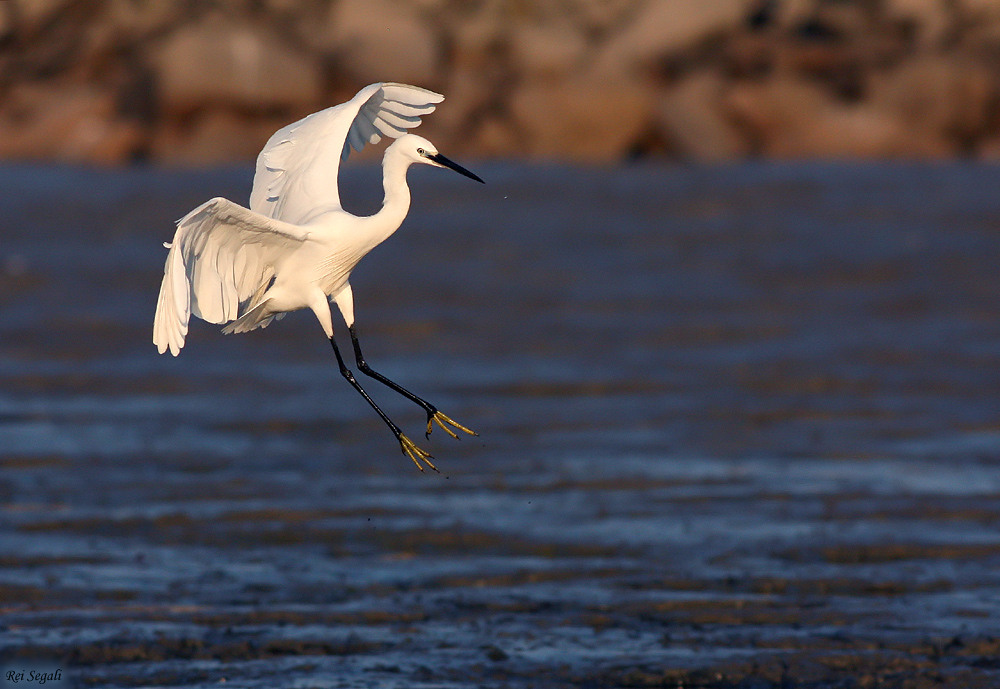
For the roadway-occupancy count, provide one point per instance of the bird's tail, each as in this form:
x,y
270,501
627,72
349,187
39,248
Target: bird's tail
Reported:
x,y
257,317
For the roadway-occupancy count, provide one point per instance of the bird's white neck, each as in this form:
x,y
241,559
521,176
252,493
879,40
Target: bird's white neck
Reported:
x,y
396,203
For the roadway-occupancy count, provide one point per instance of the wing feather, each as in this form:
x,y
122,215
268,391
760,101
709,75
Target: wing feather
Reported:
x,y
404,93
178,282
356,138
387,128
297,170
398,120
408,110
222,255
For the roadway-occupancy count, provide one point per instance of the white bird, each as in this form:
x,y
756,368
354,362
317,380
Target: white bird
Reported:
x,y
295,247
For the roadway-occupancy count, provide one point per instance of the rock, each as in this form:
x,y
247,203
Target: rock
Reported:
x,y
6,21
546,50
949,99
843,19
67,123
692,120
977,9
768,110
478,35
861,131
931,18
213,137
788,118
495,137
989,149
791,14
222,61
586,118
479,72
599,16
980,22
31,15
130,19
471,98
667,27
381,40
577,79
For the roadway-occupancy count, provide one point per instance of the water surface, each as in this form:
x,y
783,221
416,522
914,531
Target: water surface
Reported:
x,y
738,427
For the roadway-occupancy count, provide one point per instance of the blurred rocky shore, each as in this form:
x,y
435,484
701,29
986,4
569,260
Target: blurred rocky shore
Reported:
x,y
202,82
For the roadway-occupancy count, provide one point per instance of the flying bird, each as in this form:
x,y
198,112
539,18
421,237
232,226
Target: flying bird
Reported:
x,y
295,247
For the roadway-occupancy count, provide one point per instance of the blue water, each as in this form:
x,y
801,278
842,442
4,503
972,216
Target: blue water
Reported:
x,y
729,418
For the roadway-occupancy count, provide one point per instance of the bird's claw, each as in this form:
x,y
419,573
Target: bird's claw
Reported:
x,y
418,455
443,419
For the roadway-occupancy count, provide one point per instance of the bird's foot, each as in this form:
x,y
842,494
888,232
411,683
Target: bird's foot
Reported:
x,y
442,420
418,455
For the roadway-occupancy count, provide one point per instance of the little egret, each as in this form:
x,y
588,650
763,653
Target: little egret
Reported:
x,y
295,247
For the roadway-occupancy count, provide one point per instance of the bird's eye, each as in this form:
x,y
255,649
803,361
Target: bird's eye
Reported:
x,y
420,151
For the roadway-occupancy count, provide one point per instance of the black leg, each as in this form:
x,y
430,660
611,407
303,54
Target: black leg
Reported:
x,y
432,412
409,449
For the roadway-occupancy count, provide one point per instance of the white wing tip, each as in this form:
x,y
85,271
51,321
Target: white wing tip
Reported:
x,y
427,94
163,347
168,341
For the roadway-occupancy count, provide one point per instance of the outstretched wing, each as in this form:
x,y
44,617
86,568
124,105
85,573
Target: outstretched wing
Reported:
x,y
297,170
222,256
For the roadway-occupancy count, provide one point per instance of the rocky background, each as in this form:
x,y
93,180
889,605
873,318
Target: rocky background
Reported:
x,y
204,82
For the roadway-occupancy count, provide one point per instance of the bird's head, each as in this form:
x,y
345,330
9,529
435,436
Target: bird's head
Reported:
x,y
417,149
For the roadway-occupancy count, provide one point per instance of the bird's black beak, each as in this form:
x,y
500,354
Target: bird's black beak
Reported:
x,y
452,165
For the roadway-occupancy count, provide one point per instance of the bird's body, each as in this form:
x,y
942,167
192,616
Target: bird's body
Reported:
x,y
295,247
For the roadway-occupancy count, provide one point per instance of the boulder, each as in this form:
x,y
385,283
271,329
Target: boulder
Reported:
x,y
791,14
67,123
494,136
977,9
586,118
212,137
572,79
31,15
477,69
692,120
130,19
6,22
470,98
668,27
989,149
943,98
789,118
478,35
382,40
551,49
222,61
930,18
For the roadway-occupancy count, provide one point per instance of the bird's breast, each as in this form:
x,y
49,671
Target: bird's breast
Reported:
x,y
333,271
340,245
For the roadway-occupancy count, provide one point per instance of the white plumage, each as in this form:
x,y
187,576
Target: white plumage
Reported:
x,y
293,178
221,258
295,247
